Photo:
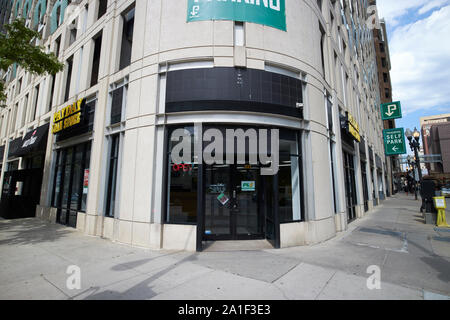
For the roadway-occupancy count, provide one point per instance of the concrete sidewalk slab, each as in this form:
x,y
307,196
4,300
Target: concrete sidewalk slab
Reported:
x,y
219,285
256,265
147,286
33,288
304,282
349,287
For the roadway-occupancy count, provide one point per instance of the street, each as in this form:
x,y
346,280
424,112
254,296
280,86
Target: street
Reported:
x,y
413,258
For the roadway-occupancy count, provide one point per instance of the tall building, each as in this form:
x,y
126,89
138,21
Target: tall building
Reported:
x,y
385,87
99,141
436,141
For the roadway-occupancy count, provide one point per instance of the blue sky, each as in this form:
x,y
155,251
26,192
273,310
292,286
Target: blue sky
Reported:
x,y
419,43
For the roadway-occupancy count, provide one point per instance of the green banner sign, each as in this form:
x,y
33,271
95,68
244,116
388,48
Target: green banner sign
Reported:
x,y
394,141
266,12
392,110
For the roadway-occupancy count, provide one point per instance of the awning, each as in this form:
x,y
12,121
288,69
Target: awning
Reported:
x,y
34,140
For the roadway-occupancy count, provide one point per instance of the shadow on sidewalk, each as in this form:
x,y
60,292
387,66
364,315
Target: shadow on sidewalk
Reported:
x,y
140,291
30,231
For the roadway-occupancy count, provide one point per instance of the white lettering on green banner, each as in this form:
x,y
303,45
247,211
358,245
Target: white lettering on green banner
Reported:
x,y
266,12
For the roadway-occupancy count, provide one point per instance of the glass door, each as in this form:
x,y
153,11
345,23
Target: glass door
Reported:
x,y
233,209
247,222
218,202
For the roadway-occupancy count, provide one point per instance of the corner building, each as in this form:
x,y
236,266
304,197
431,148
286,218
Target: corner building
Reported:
x,y
135,71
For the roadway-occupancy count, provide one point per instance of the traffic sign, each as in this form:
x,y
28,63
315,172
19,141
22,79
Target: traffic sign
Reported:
x,y
392,110
394,141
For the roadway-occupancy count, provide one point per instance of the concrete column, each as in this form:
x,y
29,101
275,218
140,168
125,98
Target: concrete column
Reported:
x,y
95,177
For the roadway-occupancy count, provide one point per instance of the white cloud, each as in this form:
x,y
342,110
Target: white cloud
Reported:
x,y
420,55
432,5
393,10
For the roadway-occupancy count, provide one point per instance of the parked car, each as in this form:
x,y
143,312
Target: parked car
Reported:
x,y
445,191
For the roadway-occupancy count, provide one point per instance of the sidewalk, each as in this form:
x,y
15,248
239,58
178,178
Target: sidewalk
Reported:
x,y
414,260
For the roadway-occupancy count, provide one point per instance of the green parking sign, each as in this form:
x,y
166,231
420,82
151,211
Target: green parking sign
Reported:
x,y
394,141
270,13
391,110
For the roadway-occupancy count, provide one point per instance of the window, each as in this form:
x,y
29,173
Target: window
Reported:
x,y
19,86
102,7
52,91
73,32
319,4
239,34
385,77
332,148
24,111
69,78
112,174
14,118
36,100
289,177
127,37
118,101
383,62
96,59
322,49
57,46
382,47
387,92
182,185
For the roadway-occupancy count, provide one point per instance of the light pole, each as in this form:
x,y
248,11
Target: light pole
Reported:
x,y
415,146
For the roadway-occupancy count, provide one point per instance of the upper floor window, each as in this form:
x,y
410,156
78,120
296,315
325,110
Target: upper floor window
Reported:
x,y
96,59
102,7
118,97
127,37
69,78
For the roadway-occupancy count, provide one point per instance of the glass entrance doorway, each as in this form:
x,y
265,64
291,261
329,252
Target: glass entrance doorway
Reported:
x,y
234,202
71,183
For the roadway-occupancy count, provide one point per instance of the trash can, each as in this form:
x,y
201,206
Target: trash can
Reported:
x,y
428,192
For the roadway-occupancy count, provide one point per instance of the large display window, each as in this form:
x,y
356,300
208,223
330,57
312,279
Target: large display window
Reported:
x,y
231,200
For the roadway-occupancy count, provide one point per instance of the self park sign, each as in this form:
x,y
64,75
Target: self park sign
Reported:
x,y
266,12
394,141
391,110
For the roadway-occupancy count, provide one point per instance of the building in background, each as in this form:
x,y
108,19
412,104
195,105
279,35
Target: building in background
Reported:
x,y
385,87
135,71
436,141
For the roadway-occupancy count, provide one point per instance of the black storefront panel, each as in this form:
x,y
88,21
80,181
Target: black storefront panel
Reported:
x,y
234,89
14,147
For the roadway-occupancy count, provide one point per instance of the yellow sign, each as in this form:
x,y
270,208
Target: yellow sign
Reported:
x,y
67,117
353,127
439,203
